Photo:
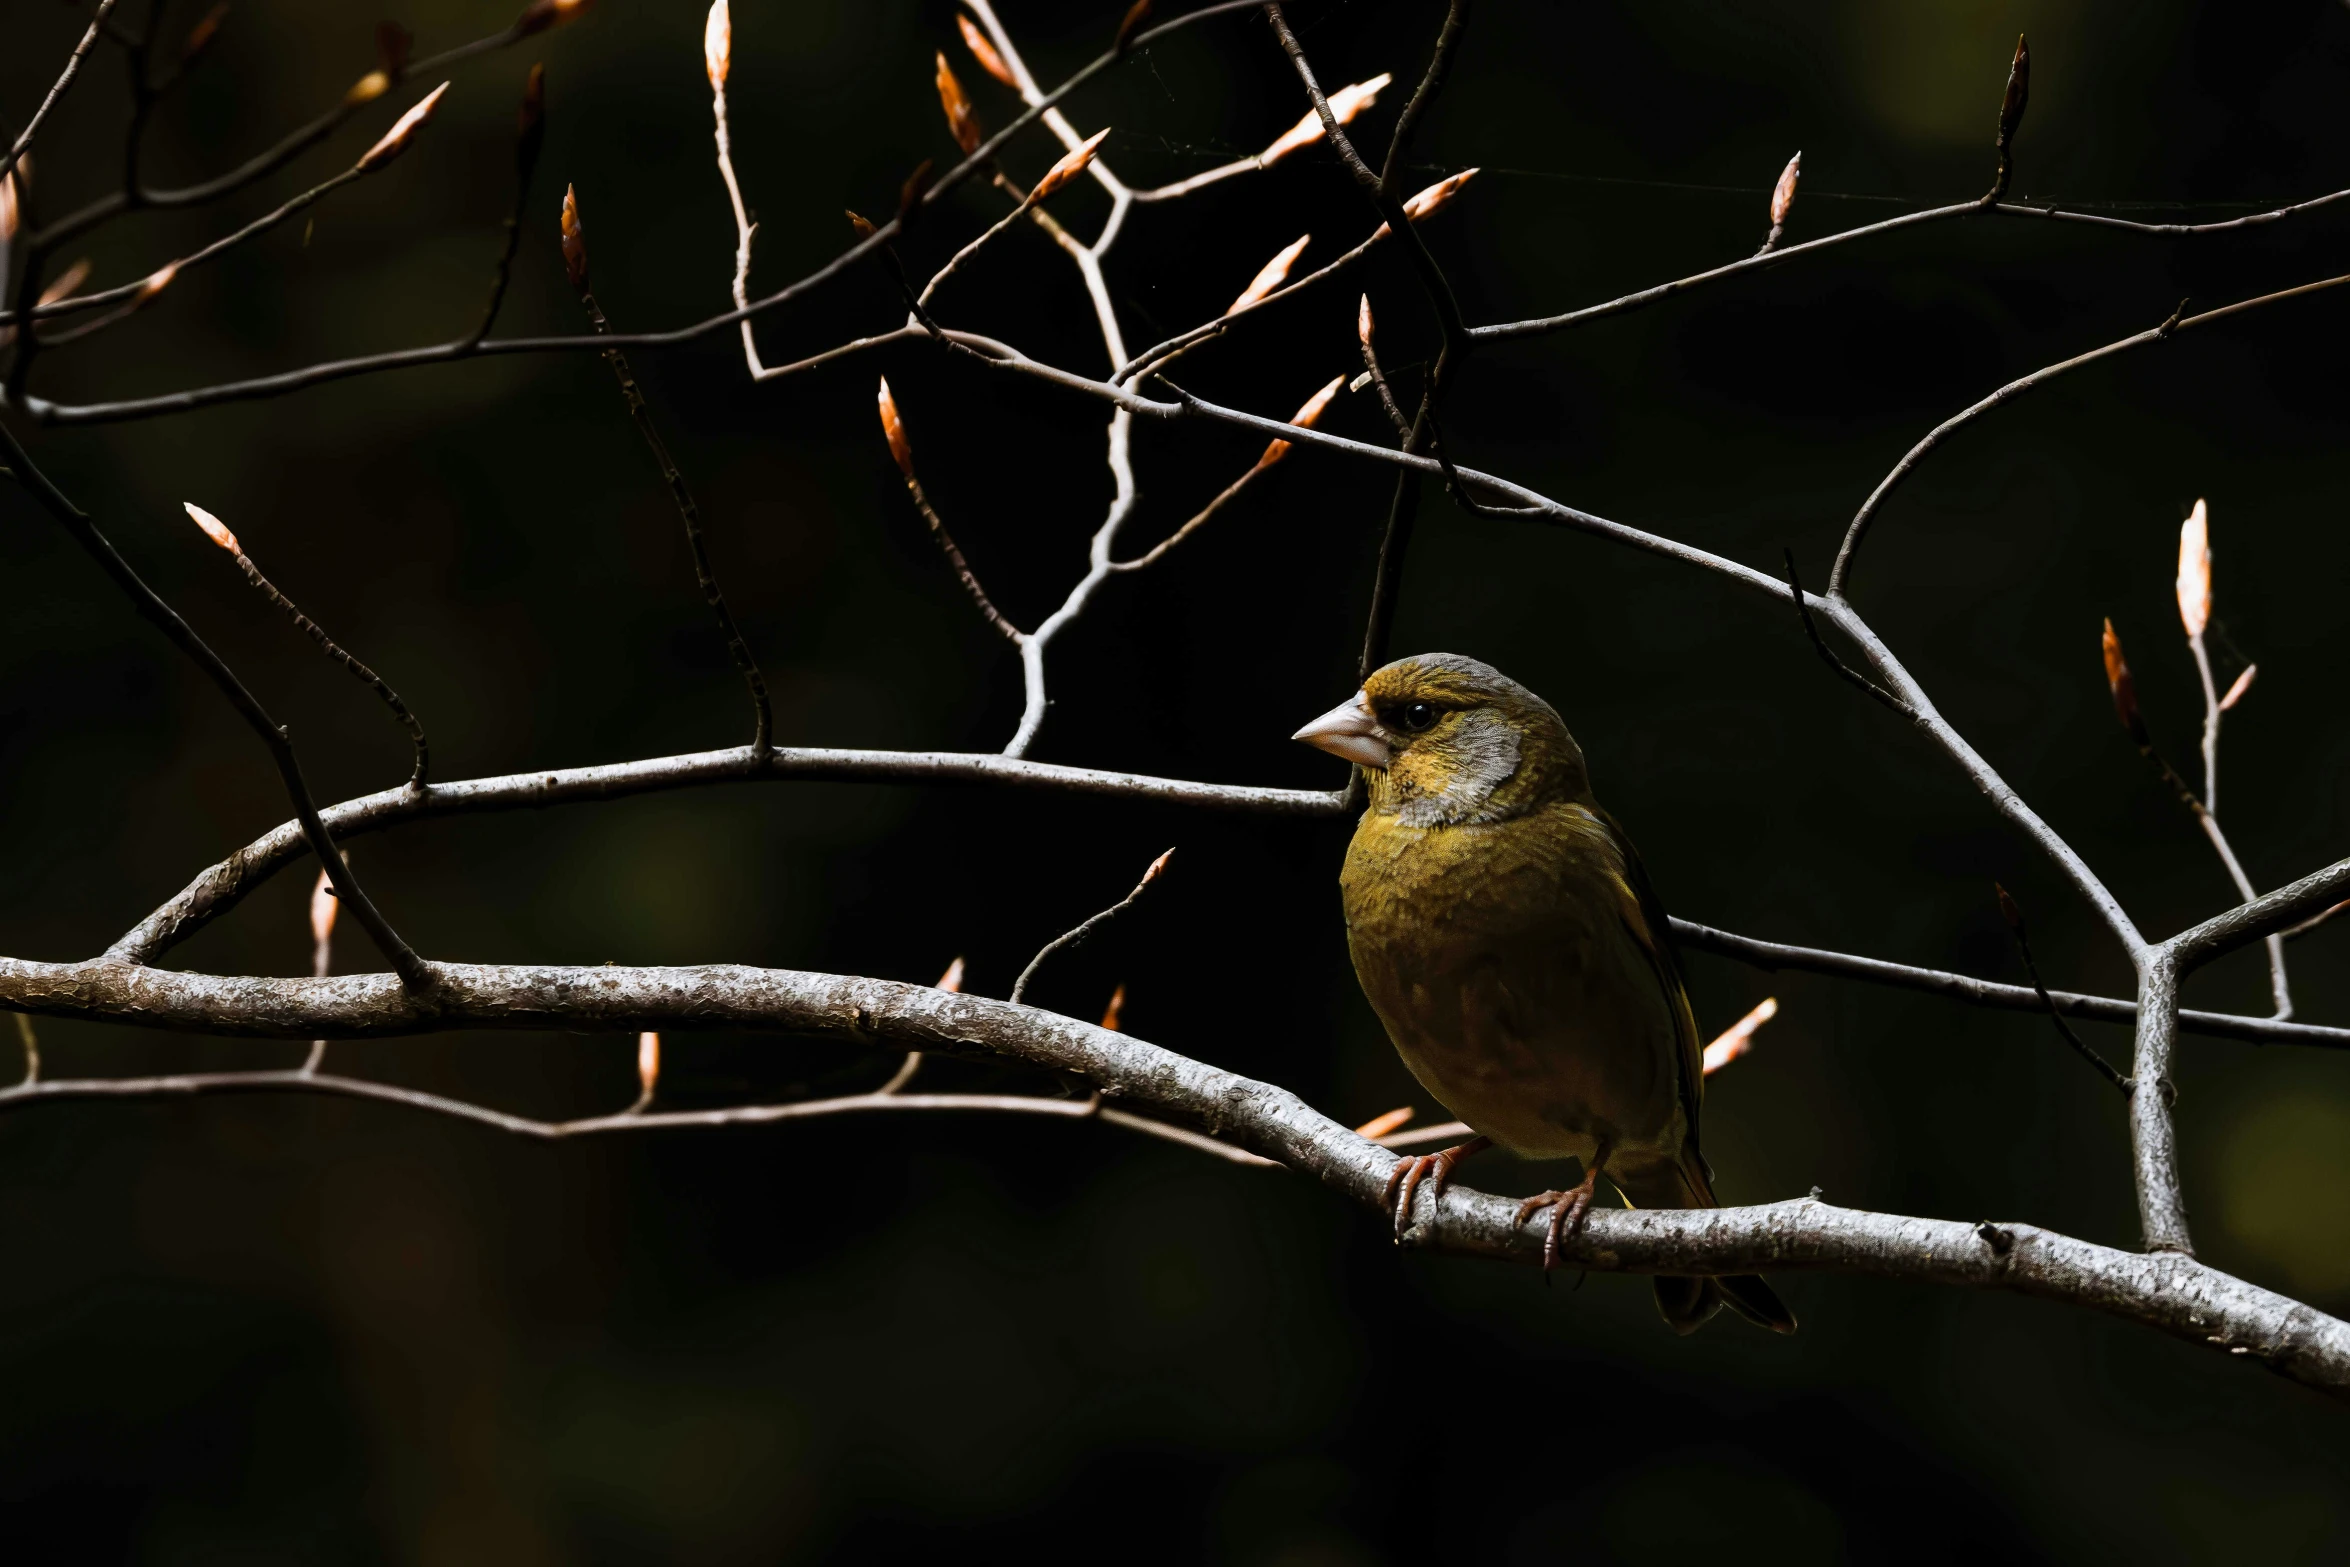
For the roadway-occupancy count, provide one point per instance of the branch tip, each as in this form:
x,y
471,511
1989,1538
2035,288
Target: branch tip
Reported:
x,y
575,260
893,429
1136,14
984,52
2194,585
1738,1038
2125,689
1429,202
1345,104
395,141
62,286
1271,275
648,1059
962,119
717,45
543,14
917,185
2019,92
1783,194
214,529
201,35
324,906
2011,115
1307,416
1072,163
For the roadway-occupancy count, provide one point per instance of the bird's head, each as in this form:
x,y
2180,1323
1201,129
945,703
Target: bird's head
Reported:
x,y
1450,741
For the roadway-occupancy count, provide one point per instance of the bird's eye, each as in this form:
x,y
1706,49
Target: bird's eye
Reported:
x,y
1417,716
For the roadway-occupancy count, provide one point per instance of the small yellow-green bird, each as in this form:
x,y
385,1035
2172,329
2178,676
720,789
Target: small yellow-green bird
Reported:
x,y
1505,932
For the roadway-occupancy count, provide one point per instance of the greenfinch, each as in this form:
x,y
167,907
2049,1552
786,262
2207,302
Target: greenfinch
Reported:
x,y
1504,931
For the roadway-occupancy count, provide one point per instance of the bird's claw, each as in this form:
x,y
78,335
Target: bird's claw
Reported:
x,y
1409,1173
1567,1209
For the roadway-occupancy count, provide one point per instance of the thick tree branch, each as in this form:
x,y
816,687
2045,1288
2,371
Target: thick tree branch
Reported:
x,y
2154,1138
2247,923
2169,1292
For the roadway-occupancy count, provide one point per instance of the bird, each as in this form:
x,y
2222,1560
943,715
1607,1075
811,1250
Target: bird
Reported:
x,y
1505,932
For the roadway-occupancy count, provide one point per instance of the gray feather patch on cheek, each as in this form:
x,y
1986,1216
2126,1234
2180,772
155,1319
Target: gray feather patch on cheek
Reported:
x,y
1484,751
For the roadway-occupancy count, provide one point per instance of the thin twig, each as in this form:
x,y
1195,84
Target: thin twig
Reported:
x,y
321,373
57,90
1364,336
1819,645
901,450
77,303
357,670
2014,915
2291,932
762,713
271,159
530,133
188,1085
415,974
1070,940
1773,956
2280,984
1224,497
2176,323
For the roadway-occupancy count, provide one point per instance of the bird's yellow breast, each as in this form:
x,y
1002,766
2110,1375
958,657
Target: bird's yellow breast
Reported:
x,y
1511,965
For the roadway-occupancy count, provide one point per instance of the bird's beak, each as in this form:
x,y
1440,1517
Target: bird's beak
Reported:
x,y
1350,731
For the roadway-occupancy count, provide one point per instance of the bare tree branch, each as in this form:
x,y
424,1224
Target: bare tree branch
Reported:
x,y
414,972
2171,1293
1189,1103
134,196
2178,322
1773,956
57,90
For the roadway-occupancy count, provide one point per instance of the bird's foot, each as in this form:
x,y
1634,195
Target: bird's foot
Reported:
x,y
1566,1213
1437,1167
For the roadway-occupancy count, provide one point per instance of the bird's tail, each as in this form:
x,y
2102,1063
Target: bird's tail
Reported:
x,y
1687,1303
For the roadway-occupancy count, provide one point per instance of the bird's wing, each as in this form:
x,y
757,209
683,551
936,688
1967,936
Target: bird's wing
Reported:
x,y
1644,917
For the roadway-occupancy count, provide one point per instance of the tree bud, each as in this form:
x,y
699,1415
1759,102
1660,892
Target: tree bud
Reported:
x,y
984,52
1345,104
214,528
395,141
1270,276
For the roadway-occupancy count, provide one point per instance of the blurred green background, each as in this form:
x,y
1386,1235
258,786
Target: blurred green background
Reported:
x,y
278,1329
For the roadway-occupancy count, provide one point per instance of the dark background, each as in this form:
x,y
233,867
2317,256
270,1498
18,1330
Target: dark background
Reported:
x,y
275,1328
